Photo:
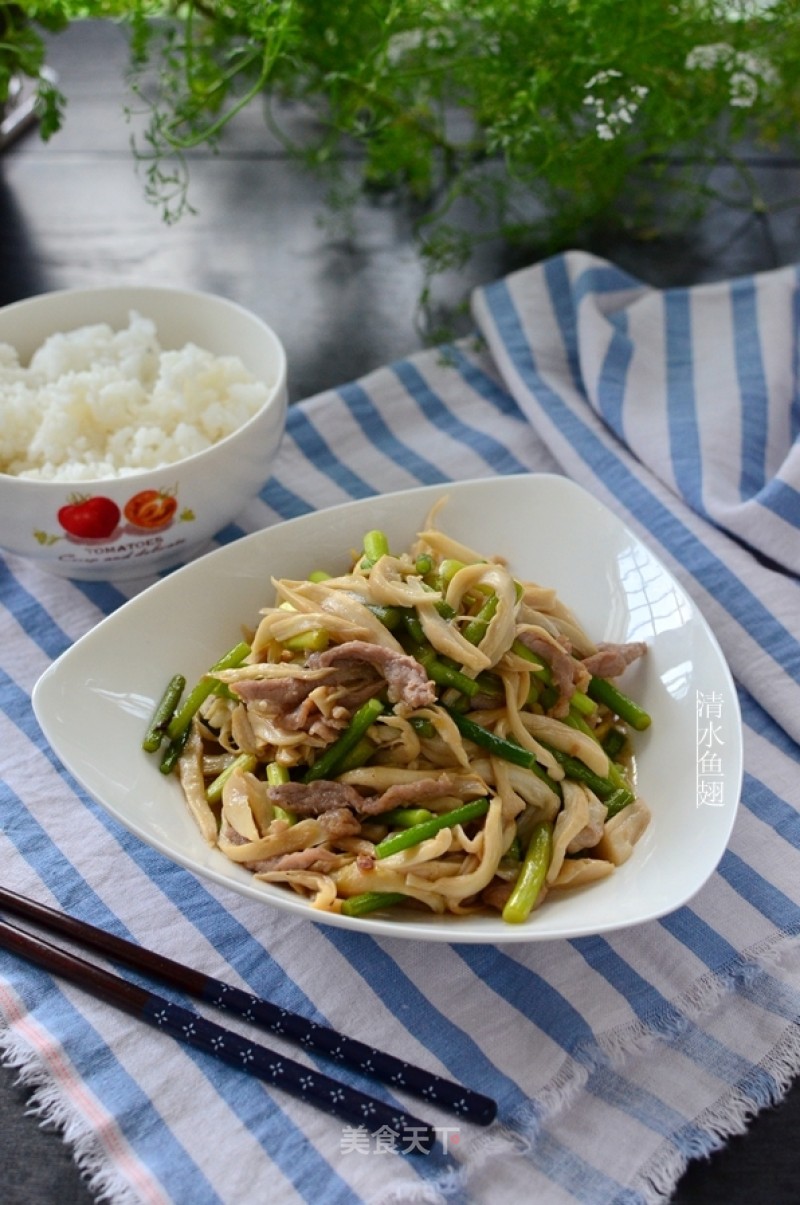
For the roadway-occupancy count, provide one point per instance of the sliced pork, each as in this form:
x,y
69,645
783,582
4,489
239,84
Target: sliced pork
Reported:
x,y
405,678
315,798
569,675
611,660
319,796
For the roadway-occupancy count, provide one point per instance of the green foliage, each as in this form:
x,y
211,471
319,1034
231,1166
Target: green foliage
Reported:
x,y
531,120
528,119
22,54
22,49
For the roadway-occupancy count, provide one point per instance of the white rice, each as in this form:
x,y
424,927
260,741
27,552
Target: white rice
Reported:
x,y
98,403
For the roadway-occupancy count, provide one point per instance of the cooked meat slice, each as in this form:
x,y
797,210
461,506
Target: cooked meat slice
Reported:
x,y
568,674
316,702
318,857
315,798
319,797
284,694
405,794
611,660
496,895
339,822
330,827
405,678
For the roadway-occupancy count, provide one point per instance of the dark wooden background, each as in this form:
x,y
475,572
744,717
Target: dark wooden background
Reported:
x,y
73,213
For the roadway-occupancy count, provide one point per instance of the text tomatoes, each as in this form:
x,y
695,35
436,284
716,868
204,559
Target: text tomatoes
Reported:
x,y
89,518
151,509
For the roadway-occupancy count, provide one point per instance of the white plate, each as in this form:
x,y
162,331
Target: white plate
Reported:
x,y
94,702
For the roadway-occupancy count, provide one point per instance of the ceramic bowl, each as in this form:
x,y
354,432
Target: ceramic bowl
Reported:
x,y
144,522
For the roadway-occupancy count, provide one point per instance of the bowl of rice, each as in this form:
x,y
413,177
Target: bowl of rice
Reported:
x,y
135,423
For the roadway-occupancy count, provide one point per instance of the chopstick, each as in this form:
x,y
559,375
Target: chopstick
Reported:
x,y
337,1098
293,1078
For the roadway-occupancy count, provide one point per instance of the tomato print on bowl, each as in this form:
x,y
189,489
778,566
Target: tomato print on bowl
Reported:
x,y
96,530
152,509
89,517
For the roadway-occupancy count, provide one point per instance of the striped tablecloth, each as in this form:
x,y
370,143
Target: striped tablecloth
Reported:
x,y
614,1059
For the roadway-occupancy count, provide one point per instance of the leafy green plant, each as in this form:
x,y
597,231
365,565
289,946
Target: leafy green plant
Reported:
x,y
22,56
24,30
531,120
527,120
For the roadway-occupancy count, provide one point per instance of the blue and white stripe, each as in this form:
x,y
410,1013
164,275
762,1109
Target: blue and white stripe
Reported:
x,y
614,1060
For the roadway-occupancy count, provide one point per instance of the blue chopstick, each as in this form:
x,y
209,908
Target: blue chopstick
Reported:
x,y
377,1064
247,1056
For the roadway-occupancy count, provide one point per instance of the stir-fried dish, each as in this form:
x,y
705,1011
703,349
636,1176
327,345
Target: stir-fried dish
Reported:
x,y
423,730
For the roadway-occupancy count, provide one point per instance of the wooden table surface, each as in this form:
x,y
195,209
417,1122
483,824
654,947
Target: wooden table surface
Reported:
x,y
73,213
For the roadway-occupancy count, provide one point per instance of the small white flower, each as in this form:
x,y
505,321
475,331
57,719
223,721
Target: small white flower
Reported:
x,y
703,58
744,90
603,77
611,115
745,10
747,72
